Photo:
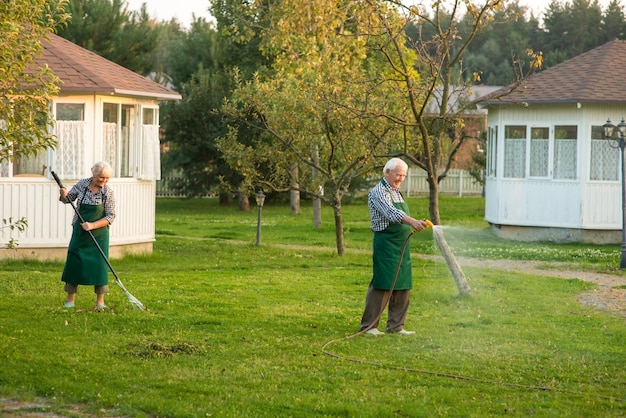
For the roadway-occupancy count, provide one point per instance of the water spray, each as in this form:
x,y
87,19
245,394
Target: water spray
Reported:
x,y
453,265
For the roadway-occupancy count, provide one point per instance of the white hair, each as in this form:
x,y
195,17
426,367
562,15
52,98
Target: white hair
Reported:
x,y
393,164
101,166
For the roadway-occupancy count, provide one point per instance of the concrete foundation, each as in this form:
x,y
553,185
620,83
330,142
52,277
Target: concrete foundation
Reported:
x,y
559,235
59,254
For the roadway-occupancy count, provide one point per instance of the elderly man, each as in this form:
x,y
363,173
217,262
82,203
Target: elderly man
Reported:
x,y
392,225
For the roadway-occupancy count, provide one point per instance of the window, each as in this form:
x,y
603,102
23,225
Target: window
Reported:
x,y
552,152
515,151
118,126
150,154
70,111
539,151
33,165
148,116
69,158
605,156
565,155
492,150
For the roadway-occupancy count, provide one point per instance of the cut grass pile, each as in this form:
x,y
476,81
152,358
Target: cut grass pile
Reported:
x,y
233,329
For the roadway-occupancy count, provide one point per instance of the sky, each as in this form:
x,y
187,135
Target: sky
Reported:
x,y
183,9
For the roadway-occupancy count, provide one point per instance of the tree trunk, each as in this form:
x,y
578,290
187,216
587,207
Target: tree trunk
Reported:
x,y
244,202
338,226
317,212
433,199
317,202
294,193
224,199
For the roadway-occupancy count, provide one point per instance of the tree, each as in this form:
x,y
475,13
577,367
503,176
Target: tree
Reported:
x,y
25,91
312,106
191,127
170,37
571,29
613,25
490,54
347,84
193,51
435,123
107,28
200,64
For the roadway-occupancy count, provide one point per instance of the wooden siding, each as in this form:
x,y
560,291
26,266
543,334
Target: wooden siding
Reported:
x,y
537,203
49,221
602,206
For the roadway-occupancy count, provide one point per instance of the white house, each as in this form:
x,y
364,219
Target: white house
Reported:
x,y
103,112
551,174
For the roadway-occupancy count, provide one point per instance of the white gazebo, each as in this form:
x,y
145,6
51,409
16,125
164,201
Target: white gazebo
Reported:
x,y
551,174
103,112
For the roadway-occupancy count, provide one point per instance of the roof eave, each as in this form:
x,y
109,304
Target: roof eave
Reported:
x,y
112,92
152,95
564,101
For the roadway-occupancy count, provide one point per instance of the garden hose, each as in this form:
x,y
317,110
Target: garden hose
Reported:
x,y
443,374
429,224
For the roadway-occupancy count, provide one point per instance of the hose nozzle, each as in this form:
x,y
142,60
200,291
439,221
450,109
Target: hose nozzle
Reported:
x,y
429,224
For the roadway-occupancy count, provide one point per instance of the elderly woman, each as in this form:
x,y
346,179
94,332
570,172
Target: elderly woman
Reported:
x,y
96,204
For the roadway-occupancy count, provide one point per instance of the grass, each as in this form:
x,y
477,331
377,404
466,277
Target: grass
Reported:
x,y
233,329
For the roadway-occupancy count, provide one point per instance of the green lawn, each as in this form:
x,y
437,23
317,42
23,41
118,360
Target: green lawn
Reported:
x,y
233,329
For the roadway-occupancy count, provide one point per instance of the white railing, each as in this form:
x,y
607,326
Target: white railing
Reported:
x,y
49,221
457,182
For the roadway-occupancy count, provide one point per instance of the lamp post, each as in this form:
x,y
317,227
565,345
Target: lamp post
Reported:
x,y
260,199
621,133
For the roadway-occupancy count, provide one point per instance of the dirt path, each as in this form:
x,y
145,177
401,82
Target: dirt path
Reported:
x,y
610,294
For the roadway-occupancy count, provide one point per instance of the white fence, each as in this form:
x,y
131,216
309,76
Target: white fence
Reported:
x,y
457,183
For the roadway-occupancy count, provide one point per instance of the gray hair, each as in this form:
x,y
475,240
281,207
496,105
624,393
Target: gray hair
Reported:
x,y
393,164
101,166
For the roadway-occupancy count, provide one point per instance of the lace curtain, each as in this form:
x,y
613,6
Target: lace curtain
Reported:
x,y
605,160
151,156
69,159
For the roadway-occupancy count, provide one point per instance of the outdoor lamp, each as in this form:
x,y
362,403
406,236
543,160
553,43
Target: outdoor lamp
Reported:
x,y
260,199
608,128
621,133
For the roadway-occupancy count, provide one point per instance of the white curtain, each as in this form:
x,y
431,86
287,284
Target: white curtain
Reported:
x,y
151,156
69,157
109,132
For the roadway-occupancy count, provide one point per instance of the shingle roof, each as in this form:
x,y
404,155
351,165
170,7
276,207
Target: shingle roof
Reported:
x,y
81,70
595,76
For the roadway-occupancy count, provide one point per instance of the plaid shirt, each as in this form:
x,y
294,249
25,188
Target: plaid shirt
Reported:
x,y
80,192
380,201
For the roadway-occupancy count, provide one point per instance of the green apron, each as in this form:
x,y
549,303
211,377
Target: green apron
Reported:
x,y
388,245
85,265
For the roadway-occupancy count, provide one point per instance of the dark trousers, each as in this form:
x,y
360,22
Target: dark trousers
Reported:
x,y
396,312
